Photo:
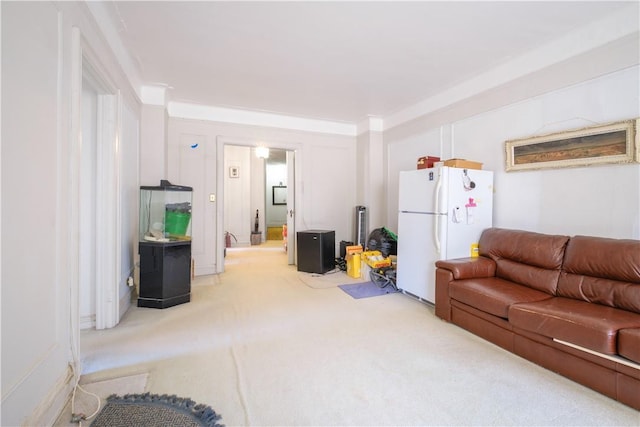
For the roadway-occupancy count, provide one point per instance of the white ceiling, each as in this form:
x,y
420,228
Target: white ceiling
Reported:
x,y
338,61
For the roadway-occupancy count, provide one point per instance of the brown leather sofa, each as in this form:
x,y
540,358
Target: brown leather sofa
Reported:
x,y
570,304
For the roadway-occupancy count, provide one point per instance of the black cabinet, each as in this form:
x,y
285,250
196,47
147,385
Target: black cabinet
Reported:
x,y
165,274
316,251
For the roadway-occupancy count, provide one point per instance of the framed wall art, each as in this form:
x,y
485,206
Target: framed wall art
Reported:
x,y
279,194
609,143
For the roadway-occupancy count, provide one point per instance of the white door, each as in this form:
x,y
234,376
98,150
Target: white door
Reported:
x,y
291,220
197,169
88,187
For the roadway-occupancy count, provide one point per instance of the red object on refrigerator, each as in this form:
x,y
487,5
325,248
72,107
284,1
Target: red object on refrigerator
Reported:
x,y
427,161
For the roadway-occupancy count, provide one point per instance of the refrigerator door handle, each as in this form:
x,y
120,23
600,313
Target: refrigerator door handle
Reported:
x,y
436,219
436,232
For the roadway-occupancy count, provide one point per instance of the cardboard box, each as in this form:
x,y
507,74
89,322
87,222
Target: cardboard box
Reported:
x,y
353,249
427,162
463,164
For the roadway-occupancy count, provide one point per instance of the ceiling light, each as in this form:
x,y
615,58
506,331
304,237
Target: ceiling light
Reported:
x,y
262,152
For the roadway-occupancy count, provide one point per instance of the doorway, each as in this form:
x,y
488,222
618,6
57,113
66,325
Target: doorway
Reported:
x,y
275,214
258,197
98,201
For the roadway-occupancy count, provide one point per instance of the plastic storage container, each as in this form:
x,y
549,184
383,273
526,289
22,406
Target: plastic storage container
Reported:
x,y
375,259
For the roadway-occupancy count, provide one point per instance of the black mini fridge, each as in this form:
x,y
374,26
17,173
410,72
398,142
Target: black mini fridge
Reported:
x,y
316,251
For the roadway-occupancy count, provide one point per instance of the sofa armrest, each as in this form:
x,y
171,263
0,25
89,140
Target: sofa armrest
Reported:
x,y
469,268
456,269
443,305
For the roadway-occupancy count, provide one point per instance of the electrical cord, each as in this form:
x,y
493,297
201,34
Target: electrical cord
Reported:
x,y
78,418
76,369
334,271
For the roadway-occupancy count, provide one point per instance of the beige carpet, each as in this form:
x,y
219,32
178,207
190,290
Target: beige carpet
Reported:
x,y
330,279
264,348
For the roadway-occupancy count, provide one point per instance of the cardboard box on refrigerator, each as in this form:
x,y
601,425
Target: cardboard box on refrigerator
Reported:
x,y
463,164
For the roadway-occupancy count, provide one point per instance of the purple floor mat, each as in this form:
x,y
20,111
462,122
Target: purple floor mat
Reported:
x,y
366,290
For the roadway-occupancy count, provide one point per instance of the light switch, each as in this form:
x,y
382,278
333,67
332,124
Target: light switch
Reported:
x,y
212,197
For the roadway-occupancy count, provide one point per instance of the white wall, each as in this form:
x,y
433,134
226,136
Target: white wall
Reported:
x,y
325,195
275,174
153,145
130,201
238,214
257,193
40,225
596,200
35,311
370,184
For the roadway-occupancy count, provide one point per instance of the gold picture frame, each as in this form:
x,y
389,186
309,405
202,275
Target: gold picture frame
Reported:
x,y
608,143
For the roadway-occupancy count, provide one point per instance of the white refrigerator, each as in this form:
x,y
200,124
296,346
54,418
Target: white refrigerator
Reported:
x,y
442,212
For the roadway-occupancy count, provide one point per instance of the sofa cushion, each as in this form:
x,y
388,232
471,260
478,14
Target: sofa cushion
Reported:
x,y
629,344
588,325
493,295
530,259
603,271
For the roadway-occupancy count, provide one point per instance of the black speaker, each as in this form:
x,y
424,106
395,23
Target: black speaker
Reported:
x,y
316,251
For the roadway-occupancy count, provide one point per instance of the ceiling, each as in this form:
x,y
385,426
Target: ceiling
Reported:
x,y
338,61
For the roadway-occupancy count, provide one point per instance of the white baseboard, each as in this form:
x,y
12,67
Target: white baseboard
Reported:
x,y
88,322
49,410
125,303
205,271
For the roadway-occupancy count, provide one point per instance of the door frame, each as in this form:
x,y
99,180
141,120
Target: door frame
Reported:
x,y
85,63
291,211
294,182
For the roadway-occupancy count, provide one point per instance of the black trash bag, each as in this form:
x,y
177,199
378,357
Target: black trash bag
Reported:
x,y
384,241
